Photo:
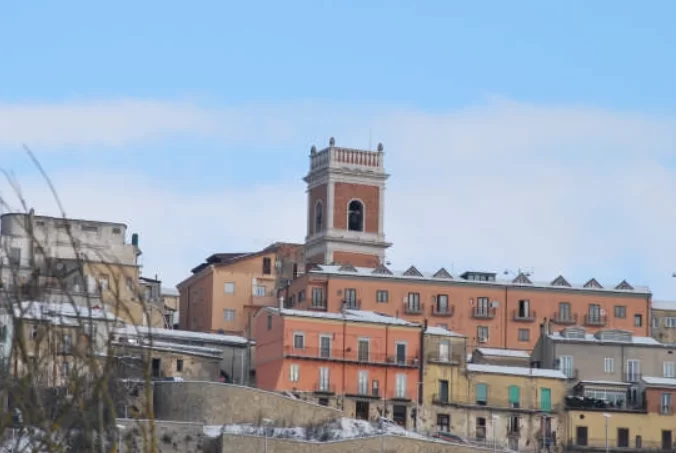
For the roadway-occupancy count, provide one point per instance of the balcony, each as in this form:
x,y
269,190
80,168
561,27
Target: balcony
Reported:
x,y
483,312
452,358
443,312
318,305
351,356
325,388
351,304
521,316
575,402
631,377
666,410
595,320
564,319
413,309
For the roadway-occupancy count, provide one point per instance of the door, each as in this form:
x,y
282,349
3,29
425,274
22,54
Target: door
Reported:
x,y
401,353
444,350
361,410
443,391
633,370
155,368
324,379
581,436
666,440
399,414
444,423
623,437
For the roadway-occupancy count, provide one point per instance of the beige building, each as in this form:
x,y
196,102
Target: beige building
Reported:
x,y
663,322
225,291
171,300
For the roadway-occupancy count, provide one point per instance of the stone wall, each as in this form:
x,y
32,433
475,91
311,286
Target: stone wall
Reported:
x,y
170,437
214,403
390,444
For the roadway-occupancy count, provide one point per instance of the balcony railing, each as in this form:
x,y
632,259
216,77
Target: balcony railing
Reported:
x,y
595,404
325,387
413,309
483,312
666,410
571,374
352,304
317,304
443,312
631,377
528,316
453,357
595,320
564,318
351,355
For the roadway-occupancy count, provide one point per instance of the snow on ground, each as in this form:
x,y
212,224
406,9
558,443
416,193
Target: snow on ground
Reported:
x,y
343,428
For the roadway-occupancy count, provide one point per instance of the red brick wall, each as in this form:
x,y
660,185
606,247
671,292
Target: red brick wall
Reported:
x,y
654,398
369,195
317,193
356,259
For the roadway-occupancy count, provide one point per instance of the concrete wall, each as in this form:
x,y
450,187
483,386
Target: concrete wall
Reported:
x,y
248,444
218,404
170,437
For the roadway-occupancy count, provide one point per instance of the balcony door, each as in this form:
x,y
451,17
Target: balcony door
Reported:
x,y
444,350
401,353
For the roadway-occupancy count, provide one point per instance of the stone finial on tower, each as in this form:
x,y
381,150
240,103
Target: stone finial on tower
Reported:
x,y
380,147
332,142
313,150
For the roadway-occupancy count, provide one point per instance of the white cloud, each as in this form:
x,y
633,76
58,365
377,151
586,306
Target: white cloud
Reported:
x,y
582,191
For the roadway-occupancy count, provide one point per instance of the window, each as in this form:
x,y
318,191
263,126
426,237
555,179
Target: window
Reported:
x,y
228,314
443,391
401,352
269,321
319,216
363,382
229,288
355,216
401,386
566,365
301,296
34,332
324,382
3,333
482,334
259,290
294,372
514,395
620,311
594,312
444,350
413,301
665,403
481,393
382,296
638,320
669,369
363,350
482,306
179,365
443,423
524,309
614,397
325,346
67,343
298,340
656,322
524,335
481,428
633,371
545,399
317,297
15,256
442,303
669,323
351,297
564,311
65,368
609,365
267,266
375,387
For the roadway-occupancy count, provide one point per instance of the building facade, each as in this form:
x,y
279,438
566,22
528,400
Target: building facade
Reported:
x,y
363,363
225,291
663,321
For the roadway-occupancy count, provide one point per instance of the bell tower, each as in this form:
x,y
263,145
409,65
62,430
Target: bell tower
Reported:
x,y
346,189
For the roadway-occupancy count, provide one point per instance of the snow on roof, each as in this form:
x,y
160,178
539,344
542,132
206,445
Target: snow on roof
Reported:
x,y
174,348
504,353
664,305
166,291
590,338
430,276
659,381
442,332
62,314
516,371
134,331
347,315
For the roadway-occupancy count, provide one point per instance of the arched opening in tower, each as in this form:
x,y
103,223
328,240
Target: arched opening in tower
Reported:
x,y
355,216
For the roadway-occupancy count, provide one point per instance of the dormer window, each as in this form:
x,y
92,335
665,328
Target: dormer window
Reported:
x,y
355,216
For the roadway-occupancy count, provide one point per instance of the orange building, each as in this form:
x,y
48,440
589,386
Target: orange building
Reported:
x,y
361,362
345,251
225,291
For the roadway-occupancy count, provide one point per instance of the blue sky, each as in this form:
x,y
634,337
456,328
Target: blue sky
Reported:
x,y
545,129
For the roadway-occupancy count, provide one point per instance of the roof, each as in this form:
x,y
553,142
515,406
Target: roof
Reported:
x,y
663,305
514,353
659,381
412,273
606,383
166,291
62,314
173,348
590,338
442,332
347,315
516,371
64,219
229,258
135,331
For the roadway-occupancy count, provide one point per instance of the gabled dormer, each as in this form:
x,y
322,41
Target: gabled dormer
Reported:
x,y
593,284
442,273
413,272
522,279
560,281
624,286
382,270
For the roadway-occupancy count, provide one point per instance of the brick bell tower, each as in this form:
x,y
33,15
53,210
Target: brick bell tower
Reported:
x,y
346,189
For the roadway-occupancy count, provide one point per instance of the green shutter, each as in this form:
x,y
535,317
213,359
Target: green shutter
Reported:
x,y
545,399
514,394
481,392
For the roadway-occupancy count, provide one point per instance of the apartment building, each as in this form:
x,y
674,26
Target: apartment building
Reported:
x,y
225,291
363,363
663,321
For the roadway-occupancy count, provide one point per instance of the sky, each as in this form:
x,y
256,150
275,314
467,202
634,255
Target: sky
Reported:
x,y
518,135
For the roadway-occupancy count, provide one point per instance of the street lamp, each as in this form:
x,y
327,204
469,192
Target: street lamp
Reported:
x,y
119,438
606,416
495,438
266,423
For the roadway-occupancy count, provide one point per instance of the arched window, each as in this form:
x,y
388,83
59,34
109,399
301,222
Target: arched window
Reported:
x,y
319,216
355,216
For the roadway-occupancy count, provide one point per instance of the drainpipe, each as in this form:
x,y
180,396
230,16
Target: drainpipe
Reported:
x,y
344,369
387,340
506,316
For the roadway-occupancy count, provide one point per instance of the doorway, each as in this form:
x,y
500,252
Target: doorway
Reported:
x,y
666,440
581,436
362,410
155,368
399,415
